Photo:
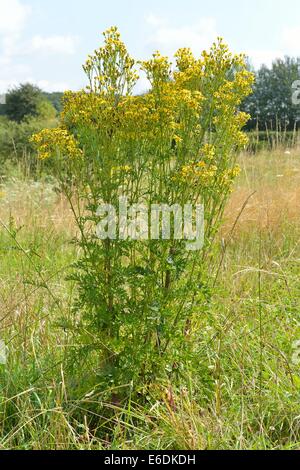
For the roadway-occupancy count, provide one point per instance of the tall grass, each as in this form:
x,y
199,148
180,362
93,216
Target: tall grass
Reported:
x,y
271,139
246,393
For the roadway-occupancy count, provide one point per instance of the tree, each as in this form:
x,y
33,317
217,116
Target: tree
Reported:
x,y
45,110
271,105
55,98
26,101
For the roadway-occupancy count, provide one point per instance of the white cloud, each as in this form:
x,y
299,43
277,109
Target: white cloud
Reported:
x,y
169,39
13,16
290,39
45,85
53,44
12,74
263,57
155,20
43,45
49,86
289,45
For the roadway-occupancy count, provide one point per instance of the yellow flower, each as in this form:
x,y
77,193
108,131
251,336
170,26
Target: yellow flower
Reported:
x,y
120,169
196,106
52,141
177,139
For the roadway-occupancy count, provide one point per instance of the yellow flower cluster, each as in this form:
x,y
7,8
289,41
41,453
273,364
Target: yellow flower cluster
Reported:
x,y
194,104
226,178
157,69
185,59
202,175
189,70
110,68
85,109
208,152
197,173
120,169
53,141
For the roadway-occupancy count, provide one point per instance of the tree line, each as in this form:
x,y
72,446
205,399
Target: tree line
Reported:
x,y
271,105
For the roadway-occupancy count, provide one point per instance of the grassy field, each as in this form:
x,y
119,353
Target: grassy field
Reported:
x,y
248,387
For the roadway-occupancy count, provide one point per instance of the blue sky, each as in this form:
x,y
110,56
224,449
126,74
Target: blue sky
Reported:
x,y
46,41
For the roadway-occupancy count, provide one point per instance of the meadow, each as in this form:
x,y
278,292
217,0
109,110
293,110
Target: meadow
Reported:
x,y
246,393
134,342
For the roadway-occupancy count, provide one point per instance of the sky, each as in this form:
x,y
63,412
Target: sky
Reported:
x,y
46,41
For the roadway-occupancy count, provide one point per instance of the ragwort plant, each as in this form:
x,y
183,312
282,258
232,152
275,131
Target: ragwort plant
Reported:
x,y
139,304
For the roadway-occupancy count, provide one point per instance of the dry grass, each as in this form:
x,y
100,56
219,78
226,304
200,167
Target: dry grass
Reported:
x,y
275,178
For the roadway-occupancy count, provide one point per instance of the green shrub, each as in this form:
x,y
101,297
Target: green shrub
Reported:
x,y
15,145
